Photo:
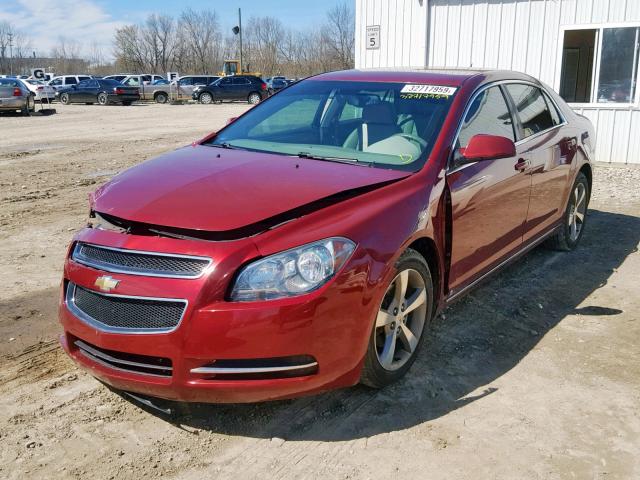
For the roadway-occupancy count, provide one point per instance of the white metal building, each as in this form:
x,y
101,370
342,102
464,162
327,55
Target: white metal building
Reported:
x,y
587,50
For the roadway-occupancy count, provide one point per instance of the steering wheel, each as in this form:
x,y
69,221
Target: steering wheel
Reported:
x,y
413,138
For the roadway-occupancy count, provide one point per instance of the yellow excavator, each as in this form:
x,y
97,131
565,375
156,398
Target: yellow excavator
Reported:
x,y
233,67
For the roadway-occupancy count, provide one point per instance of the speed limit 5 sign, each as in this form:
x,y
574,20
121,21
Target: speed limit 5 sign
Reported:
x,y
373,37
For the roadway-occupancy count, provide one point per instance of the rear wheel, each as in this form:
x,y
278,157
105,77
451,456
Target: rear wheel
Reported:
x,y
403,316
254,98
206,98
569,234
64,99
161,97
103,99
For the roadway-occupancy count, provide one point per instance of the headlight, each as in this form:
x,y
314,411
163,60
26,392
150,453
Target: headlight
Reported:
x,y
293,272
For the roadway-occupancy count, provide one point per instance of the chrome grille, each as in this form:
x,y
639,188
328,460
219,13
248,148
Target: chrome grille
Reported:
x,y
158,366
151,264
126,314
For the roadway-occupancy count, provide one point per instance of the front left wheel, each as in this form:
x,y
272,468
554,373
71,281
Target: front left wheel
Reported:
x,y
402,319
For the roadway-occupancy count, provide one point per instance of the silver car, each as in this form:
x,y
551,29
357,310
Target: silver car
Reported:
x,y
15,96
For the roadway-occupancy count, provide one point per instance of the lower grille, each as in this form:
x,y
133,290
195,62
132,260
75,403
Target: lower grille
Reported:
x,y
129,362
125,314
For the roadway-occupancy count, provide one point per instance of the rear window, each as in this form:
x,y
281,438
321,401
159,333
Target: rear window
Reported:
x,y
9,82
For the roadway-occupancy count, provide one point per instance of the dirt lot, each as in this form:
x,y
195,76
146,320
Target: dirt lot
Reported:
x,y
535,375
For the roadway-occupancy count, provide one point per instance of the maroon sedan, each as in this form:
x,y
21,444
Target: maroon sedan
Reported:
x,y
309,243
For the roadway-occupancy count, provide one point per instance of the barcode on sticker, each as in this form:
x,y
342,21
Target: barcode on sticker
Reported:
x,y
429,89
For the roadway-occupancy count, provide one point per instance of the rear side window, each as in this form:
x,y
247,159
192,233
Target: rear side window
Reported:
x,y
532,108
240,81
555,115
487,115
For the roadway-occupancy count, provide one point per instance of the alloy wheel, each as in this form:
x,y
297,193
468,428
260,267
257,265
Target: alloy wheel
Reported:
x,y
64,99
401,319
206,98
577,211
254,98
102,99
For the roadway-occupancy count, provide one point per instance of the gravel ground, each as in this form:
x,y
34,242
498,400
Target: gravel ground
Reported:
x,y
534,375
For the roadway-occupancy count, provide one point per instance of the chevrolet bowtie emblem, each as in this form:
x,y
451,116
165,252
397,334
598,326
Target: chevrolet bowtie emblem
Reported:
x,y
106,283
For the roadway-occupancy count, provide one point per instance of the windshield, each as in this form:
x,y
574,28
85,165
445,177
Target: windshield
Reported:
x,y
387,125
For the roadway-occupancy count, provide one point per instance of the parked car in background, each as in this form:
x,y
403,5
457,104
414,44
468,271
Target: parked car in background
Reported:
x,y
66,80
99,91
16,96
43,93
118,77
148,88
186,85
138,80
276,85
308,245
237,87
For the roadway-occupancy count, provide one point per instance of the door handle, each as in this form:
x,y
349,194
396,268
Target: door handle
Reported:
x,y
522,164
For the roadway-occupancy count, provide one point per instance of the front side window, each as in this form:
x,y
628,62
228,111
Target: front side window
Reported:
x,y
70,81
488,115
615,50
532,108
366,123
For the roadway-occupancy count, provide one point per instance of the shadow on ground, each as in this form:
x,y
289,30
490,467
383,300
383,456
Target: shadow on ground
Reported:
x,y
480,339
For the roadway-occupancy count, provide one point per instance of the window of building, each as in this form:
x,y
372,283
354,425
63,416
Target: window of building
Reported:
x,y
600,65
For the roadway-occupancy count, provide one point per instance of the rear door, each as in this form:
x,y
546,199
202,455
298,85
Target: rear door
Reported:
x,y
489,199
548,153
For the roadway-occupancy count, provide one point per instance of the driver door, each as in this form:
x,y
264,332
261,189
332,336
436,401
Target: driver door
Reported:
x,y
489,198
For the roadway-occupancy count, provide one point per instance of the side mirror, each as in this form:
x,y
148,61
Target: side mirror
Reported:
x,y
488,147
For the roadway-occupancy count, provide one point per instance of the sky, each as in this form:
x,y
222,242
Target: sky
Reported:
x,y
90,21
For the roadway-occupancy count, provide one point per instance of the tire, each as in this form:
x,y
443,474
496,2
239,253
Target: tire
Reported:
x,y
205,98
569,234
161,97
103,99
254,98
26,111
391,350
64,99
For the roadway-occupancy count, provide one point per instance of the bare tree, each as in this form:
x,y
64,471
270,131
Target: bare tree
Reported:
x,y
14,47
340,34
200,31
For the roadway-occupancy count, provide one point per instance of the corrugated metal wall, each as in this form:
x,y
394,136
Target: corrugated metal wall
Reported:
x,y
518,35
403,33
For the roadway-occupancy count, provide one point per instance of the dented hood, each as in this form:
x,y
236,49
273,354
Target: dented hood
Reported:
x,y
217,190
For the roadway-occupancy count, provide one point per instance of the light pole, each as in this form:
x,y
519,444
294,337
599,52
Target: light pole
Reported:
x,y
10,53
237,30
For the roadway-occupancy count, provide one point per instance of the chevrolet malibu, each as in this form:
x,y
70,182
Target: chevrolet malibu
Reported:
x,y
308,244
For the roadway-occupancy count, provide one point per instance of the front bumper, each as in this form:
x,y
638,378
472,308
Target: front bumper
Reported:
x,y
331,326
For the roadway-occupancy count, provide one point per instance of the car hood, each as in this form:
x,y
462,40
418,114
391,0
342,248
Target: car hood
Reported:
x,y
218,190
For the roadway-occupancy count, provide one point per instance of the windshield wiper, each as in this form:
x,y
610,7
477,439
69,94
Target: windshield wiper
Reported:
x,y
349,160
226,145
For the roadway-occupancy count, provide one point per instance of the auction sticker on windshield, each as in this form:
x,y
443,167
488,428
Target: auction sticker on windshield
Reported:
x,y
429,89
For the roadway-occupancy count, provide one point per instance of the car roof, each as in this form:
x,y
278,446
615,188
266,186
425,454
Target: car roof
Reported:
x,y
444,76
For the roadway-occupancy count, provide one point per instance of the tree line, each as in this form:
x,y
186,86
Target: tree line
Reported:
x,y
194,42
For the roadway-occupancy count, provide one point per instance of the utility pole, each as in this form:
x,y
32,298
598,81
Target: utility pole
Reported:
x,y
10,53
240,27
